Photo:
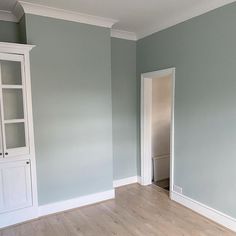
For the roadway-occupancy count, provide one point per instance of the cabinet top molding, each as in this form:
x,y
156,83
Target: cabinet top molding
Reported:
x,y
15,48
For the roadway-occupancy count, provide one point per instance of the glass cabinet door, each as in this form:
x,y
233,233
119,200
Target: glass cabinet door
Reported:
x,y
14,130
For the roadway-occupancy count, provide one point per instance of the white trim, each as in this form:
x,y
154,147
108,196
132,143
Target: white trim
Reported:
x,y
178,18
215,215
15,48
125,181
139,179
121,34
145,124
22,7
76,202
166,156
146,129
19,216
30,123
7,16
41,10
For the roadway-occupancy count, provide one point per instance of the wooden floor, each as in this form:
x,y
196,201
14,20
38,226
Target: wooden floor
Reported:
x,y
137,210
163,183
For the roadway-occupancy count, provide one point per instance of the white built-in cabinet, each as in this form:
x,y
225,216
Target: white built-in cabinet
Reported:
x,y
18,189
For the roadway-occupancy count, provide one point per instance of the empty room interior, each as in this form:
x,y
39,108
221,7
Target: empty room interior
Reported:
x,y
117,118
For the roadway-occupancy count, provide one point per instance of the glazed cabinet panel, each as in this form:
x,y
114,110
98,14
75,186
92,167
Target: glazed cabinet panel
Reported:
x,y
14,131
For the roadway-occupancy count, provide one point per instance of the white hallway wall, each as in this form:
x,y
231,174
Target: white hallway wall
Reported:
x,y
161,118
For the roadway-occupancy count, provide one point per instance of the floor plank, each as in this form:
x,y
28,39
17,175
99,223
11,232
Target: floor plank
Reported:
x,y
136,211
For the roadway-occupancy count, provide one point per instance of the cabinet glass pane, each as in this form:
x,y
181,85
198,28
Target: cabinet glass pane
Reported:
x,y
13,104
15,135
11,72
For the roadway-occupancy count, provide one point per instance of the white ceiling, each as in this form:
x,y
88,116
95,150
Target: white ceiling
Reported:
x,y
140,16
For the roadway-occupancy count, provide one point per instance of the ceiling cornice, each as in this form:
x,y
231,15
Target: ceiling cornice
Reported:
x,y
7,16
123,34
29,8
24,7
171,21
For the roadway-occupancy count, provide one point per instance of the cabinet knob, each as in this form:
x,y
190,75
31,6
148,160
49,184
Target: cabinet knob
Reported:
x,y
27,162
0,154
6,153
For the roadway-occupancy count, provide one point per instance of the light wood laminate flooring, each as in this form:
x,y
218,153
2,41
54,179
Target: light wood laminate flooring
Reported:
x,y
136,211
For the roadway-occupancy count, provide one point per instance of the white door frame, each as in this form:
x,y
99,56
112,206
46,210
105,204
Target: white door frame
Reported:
x,y
146,122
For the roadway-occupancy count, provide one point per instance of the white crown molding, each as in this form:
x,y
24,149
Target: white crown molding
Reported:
x,y
217,216
174,20
36,9
121,34
22,7
18,11
7,16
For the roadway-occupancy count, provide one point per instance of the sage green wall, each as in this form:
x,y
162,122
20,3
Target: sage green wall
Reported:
x,y
124,107
71,88
9,32
22,28
204,54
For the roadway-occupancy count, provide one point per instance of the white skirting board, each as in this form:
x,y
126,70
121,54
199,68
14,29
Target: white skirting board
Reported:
x,y
16,217
19,216
208,212
126,181
76,202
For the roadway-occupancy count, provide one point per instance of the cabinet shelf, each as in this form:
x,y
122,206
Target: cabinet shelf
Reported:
x,y
14,121
12,86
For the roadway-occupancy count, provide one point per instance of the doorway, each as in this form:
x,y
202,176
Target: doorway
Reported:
x,y
157,128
